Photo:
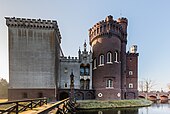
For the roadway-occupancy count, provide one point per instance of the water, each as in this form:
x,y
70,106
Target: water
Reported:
x,y
154,109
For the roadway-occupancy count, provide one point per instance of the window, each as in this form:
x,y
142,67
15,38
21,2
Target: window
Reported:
x,y
40,95
109,57
82,84
97,30
65,70
24,95
65,85
116,56
101,29
130,72
87,71
87,84
104,28
94,63
81,70
109,83
101,62
130,85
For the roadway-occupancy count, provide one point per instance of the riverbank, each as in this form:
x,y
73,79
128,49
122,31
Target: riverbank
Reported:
x,y
97,104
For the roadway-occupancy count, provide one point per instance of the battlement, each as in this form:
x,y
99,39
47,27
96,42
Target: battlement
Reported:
x,y
109,26
122,20
69,59
33,23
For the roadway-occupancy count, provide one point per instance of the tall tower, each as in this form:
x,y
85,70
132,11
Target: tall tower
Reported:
x,y
34,51
132,73
108,41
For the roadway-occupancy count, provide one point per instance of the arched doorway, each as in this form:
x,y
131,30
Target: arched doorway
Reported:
x,y
63,95
79,96
130,95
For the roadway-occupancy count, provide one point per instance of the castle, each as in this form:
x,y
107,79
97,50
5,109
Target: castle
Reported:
x,y
38,68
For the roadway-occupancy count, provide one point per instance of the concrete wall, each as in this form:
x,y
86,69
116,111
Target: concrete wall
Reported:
x,y
32,58
33,54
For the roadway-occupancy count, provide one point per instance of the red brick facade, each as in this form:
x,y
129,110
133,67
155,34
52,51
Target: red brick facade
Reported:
x,y
108,39
17,94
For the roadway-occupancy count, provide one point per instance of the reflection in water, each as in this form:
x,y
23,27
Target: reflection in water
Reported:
x,y
100,112
111,111
154,109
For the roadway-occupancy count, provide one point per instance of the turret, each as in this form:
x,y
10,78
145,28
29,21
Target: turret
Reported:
x,y
133,49
108,27
124,23
109,58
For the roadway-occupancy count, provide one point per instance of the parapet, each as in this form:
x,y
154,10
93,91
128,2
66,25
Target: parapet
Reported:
x,y
37,23
122,20
109,26
33,23
69,59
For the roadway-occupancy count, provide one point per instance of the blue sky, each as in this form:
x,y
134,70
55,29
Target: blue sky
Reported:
x,y
148,27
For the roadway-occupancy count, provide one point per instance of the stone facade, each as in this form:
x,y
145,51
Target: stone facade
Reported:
x,y
81,67
33,54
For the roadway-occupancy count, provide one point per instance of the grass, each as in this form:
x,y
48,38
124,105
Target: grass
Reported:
x,y
96,104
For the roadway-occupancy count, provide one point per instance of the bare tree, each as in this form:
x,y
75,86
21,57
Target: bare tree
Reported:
x,y
3,88
168,86
146,85
141,86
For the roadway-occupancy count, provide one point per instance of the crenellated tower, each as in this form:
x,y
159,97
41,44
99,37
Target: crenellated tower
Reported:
x,y
34,52
108,39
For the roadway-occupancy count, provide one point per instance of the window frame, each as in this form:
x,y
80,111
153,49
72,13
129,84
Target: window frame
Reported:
x,y
130,85
130,73
109,58
109,84
101,60
95,63
116,56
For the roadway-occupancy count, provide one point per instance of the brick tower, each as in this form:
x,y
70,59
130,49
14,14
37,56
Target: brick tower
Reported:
x,y
108,39
132,73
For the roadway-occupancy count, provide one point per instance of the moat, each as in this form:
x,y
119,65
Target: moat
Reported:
x,y
153,109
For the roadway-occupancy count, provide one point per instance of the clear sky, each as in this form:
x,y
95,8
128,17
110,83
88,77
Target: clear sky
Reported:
x,y
148,27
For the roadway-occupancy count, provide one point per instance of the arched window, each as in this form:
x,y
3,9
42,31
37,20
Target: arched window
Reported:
x,y
87,84
116,56
81,70
101,29
87,69
101,60
97,30
109,57
109,83
82,84
130,85
94,63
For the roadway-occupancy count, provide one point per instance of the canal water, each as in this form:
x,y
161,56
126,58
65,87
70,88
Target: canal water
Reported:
x,y
154,109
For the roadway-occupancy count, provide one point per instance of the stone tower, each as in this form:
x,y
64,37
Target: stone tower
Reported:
x,y
34,51
108,39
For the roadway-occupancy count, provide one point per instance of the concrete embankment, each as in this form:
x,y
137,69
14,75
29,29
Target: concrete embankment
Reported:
x,y
97,104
